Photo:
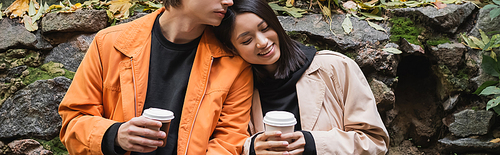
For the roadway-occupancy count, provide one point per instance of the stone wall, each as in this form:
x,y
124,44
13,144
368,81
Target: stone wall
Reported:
x,y
424,94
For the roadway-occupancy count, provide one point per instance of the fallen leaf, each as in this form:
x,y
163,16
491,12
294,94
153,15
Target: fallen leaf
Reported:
x,y
347,25
18,8
31,9
412,3
439,4
39,14
376,26
295,12
30,26
120,8
1,13
289,3
350,5
372,16
326,11
392,50
496,140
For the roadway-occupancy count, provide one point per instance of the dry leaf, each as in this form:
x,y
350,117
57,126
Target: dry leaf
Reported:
x,y
289,3
18,8
350,5
121,7
30,26
439,4
496,140
1,13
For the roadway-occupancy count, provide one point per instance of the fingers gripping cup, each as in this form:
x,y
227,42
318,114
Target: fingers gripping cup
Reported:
x,y
162,115
280,121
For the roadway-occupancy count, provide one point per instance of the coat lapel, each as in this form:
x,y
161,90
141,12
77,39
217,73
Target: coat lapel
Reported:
x,y
310,101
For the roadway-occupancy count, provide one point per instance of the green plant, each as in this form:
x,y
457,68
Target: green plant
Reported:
x,y
491,66
494,12
485,44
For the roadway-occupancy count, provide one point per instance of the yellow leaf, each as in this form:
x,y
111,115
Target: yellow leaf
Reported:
x,y
75,7
120,8
289,3
55,7
18,8
496,140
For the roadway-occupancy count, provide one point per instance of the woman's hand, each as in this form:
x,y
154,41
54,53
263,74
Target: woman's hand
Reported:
x,y
263,144
298,142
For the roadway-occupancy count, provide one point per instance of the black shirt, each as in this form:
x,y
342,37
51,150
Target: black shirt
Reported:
x,y
169,70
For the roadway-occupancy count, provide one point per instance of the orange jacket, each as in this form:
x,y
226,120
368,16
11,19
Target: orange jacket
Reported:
x,y
111,82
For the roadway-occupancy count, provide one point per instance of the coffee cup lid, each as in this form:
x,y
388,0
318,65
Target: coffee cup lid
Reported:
x,y
280,118
158,114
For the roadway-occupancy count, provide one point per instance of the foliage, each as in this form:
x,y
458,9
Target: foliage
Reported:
x,y
485,44
491,66
404,28
55,145
295,12
31,11
495,12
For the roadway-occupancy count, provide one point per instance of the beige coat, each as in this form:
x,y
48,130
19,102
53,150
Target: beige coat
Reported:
x,y
337,106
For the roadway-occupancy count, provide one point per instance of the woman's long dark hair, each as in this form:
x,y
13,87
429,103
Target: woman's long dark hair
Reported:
x,y
291,56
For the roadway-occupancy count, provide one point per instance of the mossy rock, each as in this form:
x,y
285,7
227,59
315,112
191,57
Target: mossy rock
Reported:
x,y
403,27
47,71
55,145
438,41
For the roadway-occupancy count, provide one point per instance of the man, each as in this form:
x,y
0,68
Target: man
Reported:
x,y
168,59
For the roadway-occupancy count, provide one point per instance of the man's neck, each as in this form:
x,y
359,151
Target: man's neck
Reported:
x,y
179,28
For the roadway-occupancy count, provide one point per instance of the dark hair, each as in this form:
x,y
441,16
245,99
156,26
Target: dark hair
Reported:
x,y
171,3
291,56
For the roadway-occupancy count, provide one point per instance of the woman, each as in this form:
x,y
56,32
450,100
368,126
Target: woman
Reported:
x,y
325,90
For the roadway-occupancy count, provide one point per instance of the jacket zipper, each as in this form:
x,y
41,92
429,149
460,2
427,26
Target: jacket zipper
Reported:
x,y
133,81
197,110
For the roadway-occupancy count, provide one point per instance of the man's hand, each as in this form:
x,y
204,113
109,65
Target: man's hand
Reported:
x,y
138,135
264,146
298,142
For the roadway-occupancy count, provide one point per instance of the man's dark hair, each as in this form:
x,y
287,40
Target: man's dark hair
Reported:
x,y
171,3
291,56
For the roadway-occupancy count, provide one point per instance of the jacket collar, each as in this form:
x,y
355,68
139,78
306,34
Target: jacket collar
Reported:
x,y
138,33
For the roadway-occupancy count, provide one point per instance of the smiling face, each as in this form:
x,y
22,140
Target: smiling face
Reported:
x,y
255,41
209,12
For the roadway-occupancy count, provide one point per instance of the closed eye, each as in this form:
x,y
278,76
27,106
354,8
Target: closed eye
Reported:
x,y
265,29
247,41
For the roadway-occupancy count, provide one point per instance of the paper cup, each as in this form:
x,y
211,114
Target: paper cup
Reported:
x,y
279,121
162,115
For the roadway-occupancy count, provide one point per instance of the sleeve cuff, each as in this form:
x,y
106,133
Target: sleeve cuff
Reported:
x,y
252,148
108,146
310,147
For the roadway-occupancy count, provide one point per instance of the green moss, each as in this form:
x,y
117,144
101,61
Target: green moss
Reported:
x,y
403,27
45,72
437,41
351,55
54,145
